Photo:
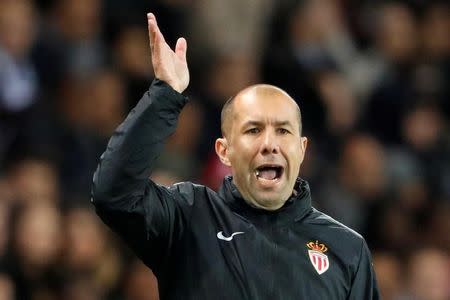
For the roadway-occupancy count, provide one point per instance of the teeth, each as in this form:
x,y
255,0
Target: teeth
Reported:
x,y
257,172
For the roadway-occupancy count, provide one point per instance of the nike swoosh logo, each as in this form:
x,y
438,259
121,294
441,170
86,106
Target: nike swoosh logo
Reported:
x,y
220,236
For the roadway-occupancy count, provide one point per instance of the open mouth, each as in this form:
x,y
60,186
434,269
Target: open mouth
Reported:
x,y
269,172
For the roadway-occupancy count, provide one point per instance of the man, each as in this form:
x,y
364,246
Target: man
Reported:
x,y
258,237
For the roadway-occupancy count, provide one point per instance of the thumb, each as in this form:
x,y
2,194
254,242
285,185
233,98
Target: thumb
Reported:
x,y
180,48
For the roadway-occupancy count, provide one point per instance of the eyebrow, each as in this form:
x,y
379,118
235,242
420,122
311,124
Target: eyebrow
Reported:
x,y
259,123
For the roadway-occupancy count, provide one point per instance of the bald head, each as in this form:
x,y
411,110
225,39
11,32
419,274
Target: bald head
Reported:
x,y
262,125
252,93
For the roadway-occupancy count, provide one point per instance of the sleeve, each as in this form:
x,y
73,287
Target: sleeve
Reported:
x,y
149,217
364,284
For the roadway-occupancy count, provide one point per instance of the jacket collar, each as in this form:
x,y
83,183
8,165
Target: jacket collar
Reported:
x,y
295,208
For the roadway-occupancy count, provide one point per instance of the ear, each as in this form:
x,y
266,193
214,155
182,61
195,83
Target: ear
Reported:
x,y
303,145
222,151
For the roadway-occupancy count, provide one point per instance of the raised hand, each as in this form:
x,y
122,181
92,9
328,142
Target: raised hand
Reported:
x,y
168,65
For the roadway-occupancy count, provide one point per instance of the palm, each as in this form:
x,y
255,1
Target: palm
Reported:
x,y
169,66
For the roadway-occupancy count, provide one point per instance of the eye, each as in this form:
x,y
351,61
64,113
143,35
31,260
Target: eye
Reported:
x,y
253,130
283,131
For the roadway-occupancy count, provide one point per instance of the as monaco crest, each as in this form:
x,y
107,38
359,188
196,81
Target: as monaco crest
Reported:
x,y
318,259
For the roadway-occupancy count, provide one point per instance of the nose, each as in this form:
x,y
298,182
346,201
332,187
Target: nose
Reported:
x,y
269,144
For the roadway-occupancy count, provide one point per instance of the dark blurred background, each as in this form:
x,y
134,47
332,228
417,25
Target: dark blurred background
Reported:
x,y
371,78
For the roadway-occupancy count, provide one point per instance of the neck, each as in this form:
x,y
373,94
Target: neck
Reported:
x,y
255,204
264,205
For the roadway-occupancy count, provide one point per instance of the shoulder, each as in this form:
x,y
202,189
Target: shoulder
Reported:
x,y
190,191
321,219
342,238
188,187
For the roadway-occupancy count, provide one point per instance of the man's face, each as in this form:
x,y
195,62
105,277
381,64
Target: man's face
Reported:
x,y
263,146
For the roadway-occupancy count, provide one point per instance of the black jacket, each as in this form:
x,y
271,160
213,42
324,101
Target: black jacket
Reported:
x,y
206,245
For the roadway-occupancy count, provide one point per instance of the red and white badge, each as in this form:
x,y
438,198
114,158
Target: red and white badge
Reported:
x,y
318,259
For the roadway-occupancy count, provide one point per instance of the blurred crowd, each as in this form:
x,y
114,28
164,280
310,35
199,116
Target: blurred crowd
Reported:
x,y
371,78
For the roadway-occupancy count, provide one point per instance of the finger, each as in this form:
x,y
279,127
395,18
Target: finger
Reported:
x,y
181,48
151,21
156,38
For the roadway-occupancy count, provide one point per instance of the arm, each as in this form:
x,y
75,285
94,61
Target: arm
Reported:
x,y
149,217
364,283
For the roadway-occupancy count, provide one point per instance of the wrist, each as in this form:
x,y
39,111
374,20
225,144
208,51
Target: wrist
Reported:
x,y
174,86
177,88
